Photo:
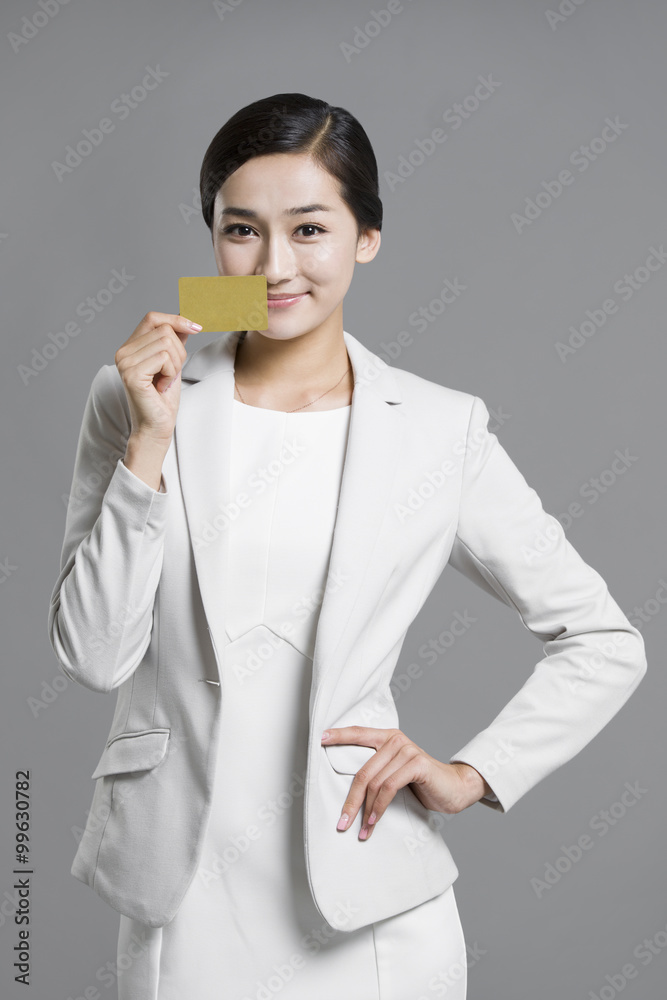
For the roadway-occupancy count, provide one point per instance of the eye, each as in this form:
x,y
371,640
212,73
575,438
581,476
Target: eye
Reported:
x,y
238,225
311,225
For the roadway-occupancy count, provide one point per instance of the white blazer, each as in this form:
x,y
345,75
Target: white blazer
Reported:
x,y
139,607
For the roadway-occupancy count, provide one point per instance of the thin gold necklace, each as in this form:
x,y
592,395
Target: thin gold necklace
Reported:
x,y
296,408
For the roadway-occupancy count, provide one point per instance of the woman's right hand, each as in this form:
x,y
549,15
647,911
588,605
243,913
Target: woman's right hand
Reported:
x,y
150,363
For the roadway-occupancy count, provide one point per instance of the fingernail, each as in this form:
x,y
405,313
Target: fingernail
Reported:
x,y
326,735
364,833
371,818
195,326
342,822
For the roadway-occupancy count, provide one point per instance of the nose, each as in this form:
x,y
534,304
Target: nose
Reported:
x,y
277,261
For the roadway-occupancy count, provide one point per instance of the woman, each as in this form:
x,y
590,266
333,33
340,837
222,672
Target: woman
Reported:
x,y
206,553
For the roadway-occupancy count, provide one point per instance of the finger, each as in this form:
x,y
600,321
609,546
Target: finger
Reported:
x,y
402,753
362,735
388,790
159,340
359,789
143,357
139,342
389,741
180,324
157,366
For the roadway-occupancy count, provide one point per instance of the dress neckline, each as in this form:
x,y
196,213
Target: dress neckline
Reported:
x,y
286,413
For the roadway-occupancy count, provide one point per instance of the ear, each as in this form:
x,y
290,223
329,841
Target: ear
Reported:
x,y
368,245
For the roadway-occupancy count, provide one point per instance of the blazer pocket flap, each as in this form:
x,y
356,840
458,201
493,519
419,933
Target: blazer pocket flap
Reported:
x,y
348,758
138,751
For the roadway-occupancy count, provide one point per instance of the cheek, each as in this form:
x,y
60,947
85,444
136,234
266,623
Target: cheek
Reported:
x,y
314,262
230,258
328,264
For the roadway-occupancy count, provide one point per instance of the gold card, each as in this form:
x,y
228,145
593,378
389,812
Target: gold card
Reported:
x,y
221,303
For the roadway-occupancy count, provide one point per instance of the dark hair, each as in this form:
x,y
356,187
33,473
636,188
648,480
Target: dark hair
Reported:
x,y
296,123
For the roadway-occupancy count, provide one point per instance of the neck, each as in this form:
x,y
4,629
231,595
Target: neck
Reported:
x,y
285,374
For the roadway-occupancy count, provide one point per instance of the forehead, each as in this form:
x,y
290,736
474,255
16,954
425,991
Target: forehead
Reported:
x,y
279,182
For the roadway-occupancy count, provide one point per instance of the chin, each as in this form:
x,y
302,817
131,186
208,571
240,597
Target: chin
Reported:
x,y
286,329
281,334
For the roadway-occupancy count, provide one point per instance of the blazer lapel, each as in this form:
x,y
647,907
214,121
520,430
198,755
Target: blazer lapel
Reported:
x,y
377,426
202,439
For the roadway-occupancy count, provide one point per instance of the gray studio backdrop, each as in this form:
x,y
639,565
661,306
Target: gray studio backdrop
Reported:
x,y
521,148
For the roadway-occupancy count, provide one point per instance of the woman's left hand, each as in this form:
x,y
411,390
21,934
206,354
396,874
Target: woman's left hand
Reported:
x,y
398,762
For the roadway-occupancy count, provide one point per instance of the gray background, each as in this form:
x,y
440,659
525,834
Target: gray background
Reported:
x,y
122,207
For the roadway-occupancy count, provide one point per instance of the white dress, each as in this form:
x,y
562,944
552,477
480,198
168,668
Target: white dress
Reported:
x,y
247,928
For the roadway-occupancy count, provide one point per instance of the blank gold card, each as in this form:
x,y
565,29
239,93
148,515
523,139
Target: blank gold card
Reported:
x,y
234,302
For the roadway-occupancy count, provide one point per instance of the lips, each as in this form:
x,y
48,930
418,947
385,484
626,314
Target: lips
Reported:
x,y
285,301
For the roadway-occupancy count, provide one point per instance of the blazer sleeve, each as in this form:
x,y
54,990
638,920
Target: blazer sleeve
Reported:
x,y
593,657
101,610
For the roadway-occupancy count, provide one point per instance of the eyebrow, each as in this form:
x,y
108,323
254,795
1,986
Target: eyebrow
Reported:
x,y
247,213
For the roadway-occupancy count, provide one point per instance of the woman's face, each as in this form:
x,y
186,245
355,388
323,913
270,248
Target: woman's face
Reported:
x,y
281,215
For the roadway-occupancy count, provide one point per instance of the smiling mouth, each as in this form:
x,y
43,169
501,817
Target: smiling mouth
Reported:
x,y
285,301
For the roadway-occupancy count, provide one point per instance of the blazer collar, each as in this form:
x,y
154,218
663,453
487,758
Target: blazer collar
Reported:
x,y
202,440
